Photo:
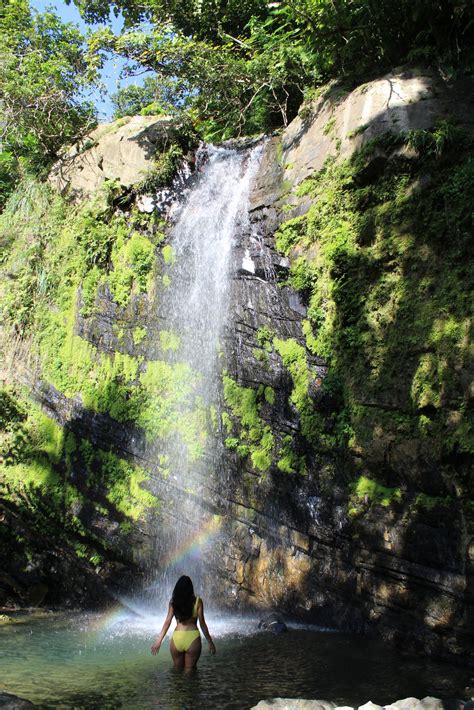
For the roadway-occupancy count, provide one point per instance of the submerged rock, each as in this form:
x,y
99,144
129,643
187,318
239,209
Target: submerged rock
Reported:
x,y
273,623
13,702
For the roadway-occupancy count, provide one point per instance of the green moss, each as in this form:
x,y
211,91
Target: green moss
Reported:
x,y
264,338
170,406
169,340
90,285
255,437
163,169
269,395
168,254
294,359
226,422
260,355
73,250
368,489
432,502
311,340
231,442
133,261
123,483
33,475
381,263
289,234
139,334
289,461
330,126
357,131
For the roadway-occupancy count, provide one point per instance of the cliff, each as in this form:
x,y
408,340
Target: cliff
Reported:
x,y
344,492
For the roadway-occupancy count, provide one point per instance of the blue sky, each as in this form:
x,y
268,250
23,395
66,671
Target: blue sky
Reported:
x,y
111,71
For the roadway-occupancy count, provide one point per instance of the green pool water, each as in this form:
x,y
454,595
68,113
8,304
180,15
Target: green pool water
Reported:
x,y
103,661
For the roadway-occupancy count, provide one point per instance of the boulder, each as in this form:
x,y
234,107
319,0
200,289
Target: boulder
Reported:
x,y
13,702
122,150
294,704
274,623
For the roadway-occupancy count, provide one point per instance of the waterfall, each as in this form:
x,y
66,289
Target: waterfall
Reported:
x,y
193,309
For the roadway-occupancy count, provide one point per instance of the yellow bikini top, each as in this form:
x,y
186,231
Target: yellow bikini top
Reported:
x,y
195,608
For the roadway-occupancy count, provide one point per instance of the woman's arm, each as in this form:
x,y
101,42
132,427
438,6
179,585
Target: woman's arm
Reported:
x,y
204,629
169,618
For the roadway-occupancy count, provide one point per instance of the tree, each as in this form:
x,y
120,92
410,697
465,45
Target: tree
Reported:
x,y
203,20
134,99
243,66
43,74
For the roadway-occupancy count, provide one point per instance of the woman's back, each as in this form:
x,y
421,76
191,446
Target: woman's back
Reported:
x,y
191,622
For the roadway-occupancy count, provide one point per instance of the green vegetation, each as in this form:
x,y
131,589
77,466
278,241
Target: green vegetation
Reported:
x,y
255,436
132,258
53,256
61,275
169,340
387,291
264,338
238,67
375,493
168,254
163,169
139,334
49,476
250,435
134,100
294,359
44,71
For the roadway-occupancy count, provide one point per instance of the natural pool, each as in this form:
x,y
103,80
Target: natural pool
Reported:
x,y
103,661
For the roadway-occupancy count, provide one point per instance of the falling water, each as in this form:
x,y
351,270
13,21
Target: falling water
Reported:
x,y
194,308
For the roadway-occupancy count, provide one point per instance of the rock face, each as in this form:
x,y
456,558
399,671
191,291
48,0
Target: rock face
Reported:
x,y
12,702
427,703
122,150
402,571
287,540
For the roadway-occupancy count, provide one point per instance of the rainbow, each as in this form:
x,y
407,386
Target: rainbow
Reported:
x,y
191,547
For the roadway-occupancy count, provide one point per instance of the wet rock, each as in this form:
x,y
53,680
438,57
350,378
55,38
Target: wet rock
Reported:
x,y
273,623
294,704
427,703
13,702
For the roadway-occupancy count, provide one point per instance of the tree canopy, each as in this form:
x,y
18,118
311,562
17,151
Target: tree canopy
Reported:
x,y
43,73
245,65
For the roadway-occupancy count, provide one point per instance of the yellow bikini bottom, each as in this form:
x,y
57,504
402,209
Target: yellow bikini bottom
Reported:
x,y
183,639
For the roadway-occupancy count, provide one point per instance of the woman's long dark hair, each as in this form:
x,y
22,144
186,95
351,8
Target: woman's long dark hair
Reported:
x,y
183,599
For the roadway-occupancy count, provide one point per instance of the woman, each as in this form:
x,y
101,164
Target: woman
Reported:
x,y
185,643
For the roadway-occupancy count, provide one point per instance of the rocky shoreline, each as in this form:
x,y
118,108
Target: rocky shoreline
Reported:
x,y
13,702
427,703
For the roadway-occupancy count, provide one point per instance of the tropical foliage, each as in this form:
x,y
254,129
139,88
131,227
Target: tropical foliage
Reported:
x,y
43,70
244,67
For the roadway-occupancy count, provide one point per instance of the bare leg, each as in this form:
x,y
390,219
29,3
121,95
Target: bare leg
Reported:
x,y
177,656
191,657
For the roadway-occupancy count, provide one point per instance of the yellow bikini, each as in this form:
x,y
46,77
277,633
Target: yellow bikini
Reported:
x,y
183,638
